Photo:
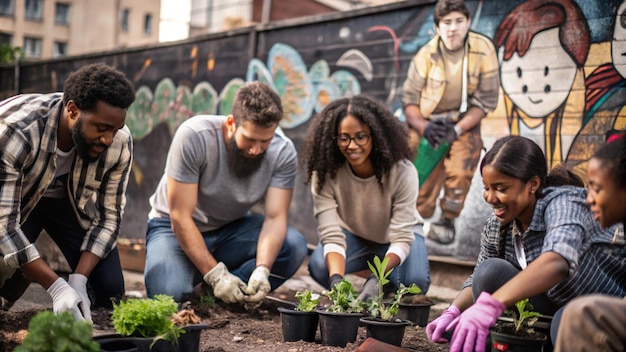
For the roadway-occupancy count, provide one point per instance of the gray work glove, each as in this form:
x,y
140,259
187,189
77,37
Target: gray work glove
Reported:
x,y
65,298
258,286
226,286
79,283
333,280
370,289
435,132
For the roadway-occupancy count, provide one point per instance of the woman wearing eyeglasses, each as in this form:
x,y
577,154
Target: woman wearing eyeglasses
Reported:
x,y
364,191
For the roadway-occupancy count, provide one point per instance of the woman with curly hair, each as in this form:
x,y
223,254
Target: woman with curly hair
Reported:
x,y
364,192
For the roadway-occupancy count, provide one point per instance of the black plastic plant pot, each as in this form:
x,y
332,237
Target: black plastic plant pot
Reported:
x,y
512,343
187,342
416,313
391,332
337,329
298,325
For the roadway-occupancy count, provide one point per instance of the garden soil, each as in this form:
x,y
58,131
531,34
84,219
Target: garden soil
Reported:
x,y
231,328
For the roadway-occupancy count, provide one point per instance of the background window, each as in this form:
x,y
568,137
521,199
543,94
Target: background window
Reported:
x,y
61,13
6,7
124,19
147,24
33,10
6,39
60,49
32,47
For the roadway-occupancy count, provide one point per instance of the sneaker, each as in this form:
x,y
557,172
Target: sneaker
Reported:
x,y
442,231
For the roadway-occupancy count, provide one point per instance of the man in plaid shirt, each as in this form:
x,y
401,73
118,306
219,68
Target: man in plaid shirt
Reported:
x,y
64,167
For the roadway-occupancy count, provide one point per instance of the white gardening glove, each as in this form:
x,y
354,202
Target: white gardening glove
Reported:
x,y
79,283
258,285
226,286
64,298
370,289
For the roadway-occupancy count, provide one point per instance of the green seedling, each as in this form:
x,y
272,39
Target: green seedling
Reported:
x,y
343,298
307,301
375,306
49,332
524,316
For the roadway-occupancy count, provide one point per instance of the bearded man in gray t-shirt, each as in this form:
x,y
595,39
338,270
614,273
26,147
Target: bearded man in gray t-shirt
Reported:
x,y
200,226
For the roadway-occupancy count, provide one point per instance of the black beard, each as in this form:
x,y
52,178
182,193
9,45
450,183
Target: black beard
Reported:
x,y
82,147
240,164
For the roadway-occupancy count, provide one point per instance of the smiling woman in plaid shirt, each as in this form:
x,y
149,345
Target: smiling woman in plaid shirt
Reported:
x,y
64,167
541,243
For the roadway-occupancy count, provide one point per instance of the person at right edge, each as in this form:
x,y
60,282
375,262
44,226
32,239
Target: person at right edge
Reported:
x,y
452,83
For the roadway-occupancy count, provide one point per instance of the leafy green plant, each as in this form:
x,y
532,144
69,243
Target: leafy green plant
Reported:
x,y
375,306
524,315
147,318
343,298
307,300
208,301
49,332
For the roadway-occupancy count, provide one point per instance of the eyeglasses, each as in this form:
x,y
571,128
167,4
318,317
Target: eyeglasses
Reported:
x,y
360,140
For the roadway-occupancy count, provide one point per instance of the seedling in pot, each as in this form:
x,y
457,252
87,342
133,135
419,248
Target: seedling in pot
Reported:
x,y
376,307
343,298
307,301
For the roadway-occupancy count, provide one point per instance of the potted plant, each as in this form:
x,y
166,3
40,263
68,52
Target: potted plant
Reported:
x,y
152,325
519,334
300,323
49,332
415,308
382,323
339,322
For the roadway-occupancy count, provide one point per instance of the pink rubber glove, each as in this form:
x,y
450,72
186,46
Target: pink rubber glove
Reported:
x,y
472,327
435,328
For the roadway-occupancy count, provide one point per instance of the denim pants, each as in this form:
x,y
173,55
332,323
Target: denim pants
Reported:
x,y
414,269
57,217
169,271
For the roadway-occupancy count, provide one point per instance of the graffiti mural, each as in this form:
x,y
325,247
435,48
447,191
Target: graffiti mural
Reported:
x,y
562,70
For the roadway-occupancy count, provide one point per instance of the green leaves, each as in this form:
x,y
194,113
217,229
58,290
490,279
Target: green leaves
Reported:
x,y
376,307
48,332
343,298
307,301
146,317
524,315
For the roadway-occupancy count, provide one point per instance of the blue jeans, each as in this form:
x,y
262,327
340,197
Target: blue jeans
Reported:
x,y
414,269
169,271
57,217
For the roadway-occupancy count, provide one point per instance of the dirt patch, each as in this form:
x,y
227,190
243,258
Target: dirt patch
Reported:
x,y
231,328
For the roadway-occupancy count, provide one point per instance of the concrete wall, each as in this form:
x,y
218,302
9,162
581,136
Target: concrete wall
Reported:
x,y
564,89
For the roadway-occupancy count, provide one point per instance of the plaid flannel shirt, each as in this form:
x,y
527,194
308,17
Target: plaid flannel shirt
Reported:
x,y
28,136
562,223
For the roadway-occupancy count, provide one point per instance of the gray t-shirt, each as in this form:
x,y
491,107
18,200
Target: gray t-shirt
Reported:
x,y
198,155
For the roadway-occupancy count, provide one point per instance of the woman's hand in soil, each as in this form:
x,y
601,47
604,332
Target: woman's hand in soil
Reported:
x,y
472,326
436,328
226,286
64,298
258,286
79,283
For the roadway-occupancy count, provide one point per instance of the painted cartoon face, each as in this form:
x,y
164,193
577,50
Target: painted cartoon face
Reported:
x,y
618,46
605,198
540,81
510,198
453,29
354,140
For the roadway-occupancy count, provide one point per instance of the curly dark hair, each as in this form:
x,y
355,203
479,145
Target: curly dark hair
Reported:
x,y
258,103
98,82
321,153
